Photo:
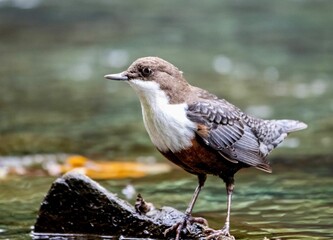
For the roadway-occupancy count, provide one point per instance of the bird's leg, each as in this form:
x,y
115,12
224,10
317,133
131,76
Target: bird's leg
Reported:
x,y
201,181
230,189
188,220
225,231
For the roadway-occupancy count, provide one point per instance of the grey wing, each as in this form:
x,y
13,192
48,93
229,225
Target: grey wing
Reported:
x,y
221,127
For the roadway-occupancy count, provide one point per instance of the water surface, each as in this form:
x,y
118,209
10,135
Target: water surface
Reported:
x,y
290,203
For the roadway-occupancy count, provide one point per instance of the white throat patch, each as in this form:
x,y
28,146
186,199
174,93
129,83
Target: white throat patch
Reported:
x,y
166,124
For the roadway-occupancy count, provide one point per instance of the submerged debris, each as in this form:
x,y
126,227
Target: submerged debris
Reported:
x,y
57,164
115,169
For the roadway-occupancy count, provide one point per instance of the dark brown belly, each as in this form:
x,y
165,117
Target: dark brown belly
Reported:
x,y
201,159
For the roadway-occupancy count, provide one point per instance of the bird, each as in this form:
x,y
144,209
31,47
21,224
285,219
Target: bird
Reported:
x,y
200,132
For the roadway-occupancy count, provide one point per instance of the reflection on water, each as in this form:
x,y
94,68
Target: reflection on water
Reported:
x,y
72,237
291,203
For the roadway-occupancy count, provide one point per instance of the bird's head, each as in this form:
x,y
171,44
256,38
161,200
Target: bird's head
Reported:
x,y
148,75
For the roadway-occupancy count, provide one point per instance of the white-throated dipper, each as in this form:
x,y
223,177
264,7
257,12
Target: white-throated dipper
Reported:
x,y
200,132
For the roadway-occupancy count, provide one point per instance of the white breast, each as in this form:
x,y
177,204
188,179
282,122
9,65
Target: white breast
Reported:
x,y
166,124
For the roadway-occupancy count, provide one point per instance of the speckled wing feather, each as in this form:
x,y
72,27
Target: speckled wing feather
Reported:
x,y
221,127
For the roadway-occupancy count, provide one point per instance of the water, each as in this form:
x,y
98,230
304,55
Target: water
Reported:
x,y
291,203
271,58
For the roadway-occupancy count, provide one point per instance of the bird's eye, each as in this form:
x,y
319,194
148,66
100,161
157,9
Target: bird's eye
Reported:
x,y
146,72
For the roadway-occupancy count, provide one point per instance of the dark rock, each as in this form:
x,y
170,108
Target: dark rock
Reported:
x,y
75,204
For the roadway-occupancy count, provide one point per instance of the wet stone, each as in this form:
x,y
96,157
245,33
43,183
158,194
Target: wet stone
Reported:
x,y
75,204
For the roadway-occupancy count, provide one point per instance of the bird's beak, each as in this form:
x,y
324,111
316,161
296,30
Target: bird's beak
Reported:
x,y
118,76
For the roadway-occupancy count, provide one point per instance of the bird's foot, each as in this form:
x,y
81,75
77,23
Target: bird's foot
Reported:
x,y
184,225
218,234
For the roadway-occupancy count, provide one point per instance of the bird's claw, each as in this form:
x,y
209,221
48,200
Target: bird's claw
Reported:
x,y
218,234
176,227
184,225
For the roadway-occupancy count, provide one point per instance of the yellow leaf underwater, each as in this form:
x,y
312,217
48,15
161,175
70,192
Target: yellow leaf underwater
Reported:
x,y
112,169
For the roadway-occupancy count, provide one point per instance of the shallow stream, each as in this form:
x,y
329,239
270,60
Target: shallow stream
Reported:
x,y
291,203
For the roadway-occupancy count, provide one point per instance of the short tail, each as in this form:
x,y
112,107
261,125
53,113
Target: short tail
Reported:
x,y
279,131
291,125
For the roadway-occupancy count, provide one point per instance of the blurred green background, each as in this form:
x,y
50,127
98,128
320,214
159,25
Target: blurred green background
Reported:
x,y
271,58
